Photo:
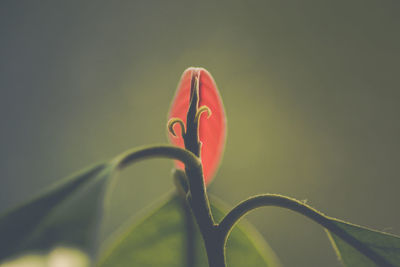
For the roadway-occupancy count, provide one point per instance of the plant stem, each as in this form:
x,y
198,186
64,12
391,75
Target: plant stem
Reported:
x,y
166,151
197,196
215,248
200,205
252,203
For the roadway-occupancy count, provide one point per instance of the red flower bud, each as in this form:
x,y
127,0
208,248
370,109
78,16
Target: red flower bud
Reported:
x,y
212,129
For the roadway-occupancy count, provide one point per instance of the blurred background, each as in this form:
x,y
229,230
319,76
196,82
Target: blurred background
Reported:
x,y
311,91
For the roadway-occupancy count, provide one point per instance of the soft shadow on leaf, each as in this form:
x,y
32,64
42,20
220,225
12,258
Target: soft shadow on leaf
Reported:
x,y
385,245
68,214
159,240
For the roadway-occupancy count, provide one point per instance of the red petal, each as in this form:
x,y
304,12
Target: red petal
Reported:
x,y
212,131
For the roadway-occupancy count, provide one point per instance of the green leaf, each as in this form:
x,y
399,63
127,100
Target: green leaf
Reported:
x,y
160,238
385,247
67,215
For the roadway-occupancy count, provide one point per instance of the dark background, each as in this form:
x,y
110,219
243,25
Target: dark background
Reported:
x,y
310,90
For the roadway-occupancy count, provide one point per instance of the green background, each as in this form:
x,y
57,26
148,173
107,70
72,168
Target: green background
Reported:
x,y
311,91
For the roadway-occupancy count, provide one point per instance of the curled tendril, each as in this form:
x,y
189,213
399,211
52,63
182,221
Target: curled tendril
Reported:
x,y
171,123
200,111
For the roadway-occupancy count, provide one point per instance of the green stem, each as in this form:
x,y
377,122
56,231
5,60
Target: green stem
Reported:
x,y
252,203
215,248
166,151
197,196
199,203
214,242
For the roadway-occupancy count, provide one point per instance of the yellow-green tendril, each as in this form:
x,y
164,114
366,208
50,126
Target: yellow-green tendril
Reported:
x,y
171,123
200,111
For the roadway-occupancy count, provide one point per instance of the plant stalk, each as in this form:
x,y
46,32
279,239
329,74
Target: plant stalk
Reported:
x,y
259,201
197,196
215,248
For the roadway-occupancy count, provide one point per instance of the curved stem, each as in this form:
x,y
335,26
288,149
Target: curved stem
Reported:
x,y
190,160
259,201
197,195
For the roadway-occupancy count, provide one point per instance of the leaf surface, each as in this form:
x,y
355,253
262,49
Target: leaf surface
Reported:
x,y
160,238
68,214
384,245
